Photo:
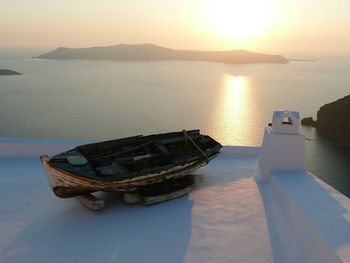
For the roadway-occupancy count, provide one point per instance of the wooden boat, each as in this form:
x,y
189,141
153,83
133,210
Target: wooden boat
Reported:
x,y
130,164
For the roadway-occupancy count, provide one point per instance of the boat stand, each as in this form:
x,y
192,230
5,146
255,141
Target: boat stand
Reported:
x,y
92,202
148,195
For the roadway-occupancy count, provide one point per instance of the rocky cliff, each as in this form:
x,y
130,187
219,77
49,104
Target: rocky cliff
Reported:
x,y
8,72
333,121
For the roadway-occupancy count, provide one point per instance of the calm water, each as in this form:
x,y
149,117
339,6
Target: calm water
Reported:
x,y
99,100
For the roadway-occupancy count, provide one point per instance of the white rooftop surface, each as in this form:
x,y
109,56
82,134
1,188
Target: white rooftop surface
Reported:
x,y
222,220
254,205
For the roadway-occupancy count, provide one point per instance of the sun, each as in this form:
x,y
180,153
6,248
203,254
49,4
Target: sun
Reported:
x,y
239,20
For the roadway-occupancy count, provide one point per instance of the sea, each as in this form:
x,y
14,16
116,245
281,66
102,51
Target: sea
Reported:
x,y
100,100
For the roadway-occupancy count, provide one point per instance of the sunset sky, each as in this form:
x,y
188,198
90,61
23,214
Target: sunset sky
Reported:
x,y
277,26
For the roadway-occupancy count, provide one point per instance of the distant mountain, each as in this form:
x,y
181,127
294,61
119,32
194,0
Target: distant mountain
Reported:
x,y
149,52
6,72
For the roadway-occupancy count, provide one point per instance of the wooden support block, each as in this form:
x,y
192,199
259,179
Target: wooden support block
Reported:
x,y
131,198
92,202
149,200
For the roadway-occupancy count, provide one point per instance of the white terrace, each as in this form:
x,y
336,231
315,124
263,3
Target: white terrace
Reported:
x,y
254,205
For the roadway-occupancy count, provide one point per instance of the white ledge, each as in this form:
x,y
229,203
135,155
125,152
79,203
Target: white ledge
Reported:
x,y
308,223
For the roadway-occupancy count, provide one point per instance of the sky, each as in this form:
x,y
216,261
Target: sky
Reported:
x,y
274,26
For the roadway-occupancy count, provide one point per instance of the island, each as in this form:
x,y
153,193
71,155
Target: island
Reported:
x,y
333,121
151,52
7,72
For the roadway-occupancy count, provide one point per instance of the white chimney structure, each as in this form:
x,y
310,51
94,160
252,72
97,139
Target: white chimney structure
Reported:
x,y
283,146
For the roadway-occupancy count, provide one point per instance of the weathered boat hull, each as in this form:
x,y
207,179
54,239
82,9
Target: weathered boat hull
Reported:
x,y
66,185
159,164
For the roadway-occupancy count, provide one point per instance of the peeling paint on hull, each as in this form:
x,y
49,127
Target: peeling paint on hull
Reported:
x,y
67,185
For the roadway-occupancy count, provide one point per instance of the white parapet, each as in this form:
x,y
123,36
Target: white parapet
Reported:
x,y
308,220
283,146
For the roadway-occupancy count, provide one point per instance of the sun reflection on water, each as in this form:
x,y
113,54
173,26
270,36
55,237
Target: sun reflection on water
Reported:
x,y
235,93
234,111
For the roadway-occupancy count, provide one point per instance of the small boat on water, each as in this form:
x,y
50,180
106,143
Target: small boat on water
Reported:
x,y
130,165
